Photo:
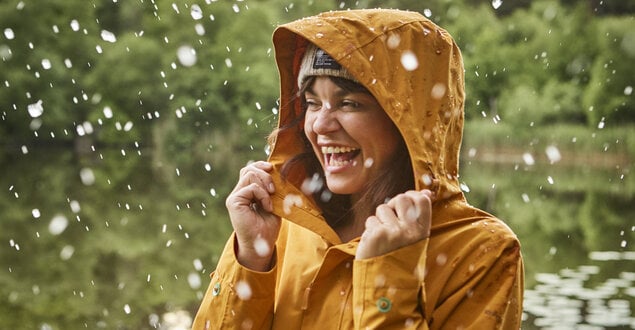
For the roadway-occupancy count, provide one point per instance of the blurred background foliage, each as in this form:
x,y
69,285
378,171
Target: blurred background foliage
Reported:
x,y
125,123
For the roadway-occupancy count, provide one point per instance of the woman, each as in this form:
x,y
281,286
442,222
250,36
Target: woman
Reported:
x,y
357,220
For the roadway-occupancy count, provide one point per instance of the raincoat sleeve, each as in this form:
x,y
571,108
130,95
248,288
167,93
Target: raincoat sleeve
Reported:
x,y
388,292
387,289
491,296
237,297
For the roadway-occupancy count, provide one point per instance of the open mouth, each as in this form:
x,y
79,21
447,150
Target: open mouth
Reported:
x,y
339,156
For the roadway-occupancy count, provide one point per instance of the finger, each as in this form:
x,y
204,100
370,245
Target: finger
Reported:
x,y
253,174
423,201
385,214
406,208
253,193
372,222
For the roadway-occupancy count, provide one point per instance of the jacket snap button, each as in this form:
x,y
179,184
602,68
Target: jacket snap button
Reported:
x,y
216,289
384,304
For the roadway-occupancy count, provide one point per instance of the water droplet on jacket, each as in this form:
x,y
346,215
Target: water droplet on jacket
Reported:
x,y
441,259
393,41
409,61
438,91
243,290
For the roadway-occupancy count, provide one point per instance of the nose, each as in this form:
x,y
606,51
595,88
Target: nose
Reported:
x,y
325,121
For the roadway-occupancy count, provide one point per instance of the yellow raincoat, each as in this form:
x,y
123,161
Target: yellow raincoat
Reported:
x,y
467,275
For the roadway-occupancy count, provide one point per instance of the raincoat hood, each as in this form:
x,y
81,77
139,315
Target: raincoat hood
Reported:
x,y
412,67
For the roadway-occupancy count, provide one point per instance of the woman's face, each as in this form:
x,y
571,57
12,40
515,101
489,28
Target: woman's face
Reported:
x,y
350,134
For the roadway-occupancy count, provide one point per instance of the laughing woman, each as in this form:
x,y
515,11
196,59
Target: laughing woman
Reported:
x,y
357,221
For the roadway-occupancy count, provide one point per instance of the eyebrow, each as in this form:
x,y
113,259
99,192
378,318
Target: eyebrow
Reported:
x,y
340,92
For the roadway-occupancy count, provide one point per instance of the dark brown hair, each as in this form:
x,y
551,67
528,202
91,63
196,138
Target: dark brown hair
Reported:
x,y
338,209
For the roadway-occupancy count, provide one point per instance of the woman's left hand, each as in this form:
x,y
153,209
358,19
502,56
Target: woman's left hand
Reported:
x,y
404,220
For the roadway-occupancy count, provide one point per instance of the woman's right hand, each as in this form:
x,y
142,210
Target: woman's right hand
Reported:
x,y
250,206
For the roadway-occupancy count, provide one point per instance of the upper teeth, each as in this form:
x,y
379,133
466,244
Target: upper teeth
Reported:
x,y
336,150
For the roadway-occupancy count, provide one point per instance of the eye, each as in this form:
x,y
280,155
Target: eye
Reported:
x,y
312,104
350,104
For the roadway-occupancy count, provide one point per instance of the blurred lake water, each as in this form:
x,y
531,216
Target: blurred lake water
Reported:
x,y
125,239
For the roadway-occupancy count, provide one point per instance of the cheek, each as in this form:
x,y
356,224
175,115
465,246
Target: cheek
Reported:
x,y
308,127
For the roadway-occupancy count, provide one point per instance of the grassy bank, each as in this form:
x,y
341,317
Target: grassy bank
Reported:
x,y
600,146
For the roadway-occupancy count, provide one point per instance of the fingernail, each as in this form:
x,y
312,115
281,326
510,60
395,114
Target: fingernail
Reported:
x,y
271,187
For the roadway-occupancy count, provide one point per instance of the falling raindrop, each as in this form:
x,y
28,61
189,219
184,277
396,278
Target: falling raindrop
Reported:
x,y
550,180
126,309
525,198
409,61
9,34
528,159
243,290
36,213
196,12
261,247
198,265
186,55
427,12
194,280
601,123
46,64
75,207
553,154
497,3
35,109
368,163
67,252
107,112
312,185
628,90
87,176
75,25
289,201
58,224
108,36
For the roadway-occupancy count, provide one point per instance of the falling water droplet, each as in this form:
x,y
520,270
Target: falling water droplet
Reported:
x,y
35,109
87,176
553,154
409,61
108,36
194,280
58,224
497,3
528,159
186,55
196,12
9,34
262,247
243,290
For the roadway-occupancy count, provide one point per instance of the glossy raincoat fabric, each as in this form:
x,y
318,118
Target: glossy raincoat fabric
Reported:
x,y
467,275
